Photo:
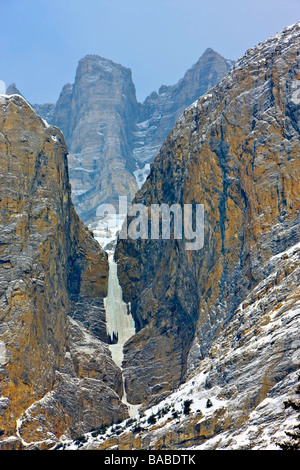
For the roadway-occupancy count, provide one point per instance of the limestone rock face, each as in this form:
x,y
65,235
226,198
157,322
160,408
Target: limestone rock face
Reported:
x,y
13,90
97,116
54,362
112,138
236,151
159,112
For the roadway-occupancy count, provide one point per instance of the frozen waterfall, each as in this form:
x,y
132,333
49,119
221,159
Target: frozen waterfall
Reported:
x,y
119,321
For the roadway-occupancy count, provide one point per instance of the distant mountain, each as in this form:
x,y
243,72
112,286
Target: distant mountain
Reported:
x,y
159,112
13,90
112,138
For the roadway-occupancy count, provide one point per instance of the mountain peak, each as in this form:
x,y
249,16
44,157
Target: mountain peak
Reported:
x,y
98,62
235,152
209,51
13,90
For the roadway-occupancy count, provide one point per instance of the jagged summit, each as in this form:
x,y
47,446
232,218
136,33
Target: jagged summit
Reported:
x,y
106,128
100,60
13,90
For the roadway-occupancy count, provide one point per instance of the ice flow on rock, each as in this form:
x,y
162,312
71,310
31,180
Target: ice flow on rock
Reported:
x,y
119,321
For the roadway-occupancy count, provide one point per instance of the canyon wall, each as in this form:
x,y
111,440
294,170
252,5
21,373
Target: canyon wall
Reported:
x,y
236,151
55,364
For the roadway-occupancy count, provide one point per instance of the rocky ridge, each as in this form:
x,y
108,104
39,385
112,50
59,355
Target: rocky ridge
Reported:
x,y
56,372
235,150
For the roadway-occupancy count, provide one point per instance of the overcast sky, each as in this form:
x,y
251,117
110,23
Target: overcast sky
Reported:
x,y
43,40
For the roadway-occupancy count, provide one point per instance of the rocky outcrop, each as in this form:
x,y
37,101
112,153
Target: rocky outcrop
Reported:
x,y
112,138
97,116
102,115
236,151
55,365
215,359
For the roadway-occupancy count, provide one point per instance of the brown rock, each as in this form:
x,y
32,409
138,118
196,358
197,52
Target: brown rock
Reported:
x,y
235,151
110,135
97,116
55,370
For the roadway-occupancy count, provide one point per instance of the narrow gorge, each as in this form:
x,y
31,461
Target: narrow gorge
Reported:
x,y
120,343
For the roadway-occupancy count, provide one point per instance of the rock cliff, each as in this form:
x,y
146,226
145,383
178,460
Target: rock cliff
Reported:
x,y
215,360
97,116
56,372
236,151
112,139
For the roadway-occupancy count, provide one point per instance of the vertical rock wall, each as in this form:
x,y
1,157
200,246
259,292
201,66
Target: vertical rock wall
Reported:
x,y
236,151
50,266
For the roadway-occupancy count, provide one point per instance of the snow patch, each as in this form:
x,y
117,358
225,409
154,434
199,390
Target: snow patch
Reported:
x,y
295,97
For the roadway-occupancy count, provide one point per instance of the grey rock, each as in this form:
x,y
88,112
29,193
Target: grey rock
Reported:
x,y
110,135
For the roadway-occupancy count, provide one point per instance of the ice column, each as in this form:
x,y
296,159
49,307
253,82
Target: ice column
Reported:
x,y
119,321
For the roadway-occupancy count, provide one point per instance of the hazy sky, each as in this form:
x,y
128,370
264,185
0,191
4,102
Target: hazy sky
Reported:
x,y
43,40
